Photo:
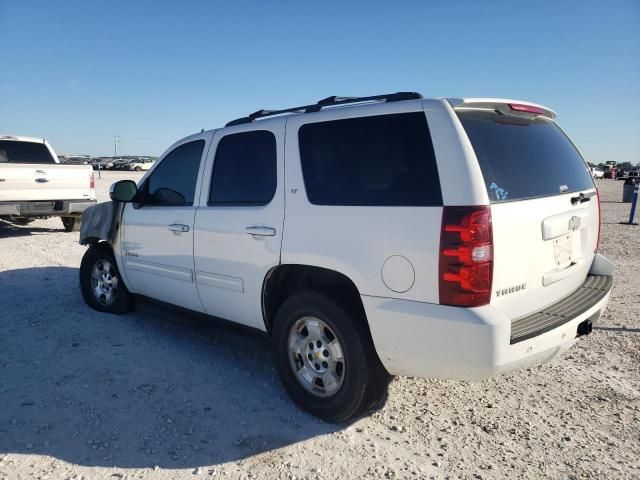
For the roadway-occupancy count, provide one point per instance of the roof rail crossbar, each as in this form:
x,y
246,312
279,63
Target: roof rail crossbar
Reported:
x,y
327,102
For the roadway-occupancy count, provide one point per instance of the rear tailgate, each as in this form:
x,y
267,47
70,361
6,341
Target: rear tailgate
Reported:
x,y
544,207
28,182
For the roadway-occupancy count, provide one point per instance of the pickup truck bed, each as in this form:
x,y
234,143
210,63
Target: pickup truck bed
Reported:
x,y
34,184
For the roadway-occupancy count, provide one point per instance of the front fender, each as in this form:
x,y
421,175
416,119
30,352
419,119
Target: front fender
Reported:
x,y
100,223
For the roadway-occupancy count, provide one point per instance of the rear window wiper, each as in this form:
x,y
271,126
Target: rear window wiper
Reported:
x,y
583,197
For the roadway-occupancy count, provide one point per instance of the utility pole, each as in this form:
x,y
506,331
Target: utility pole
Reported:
x,y
116,142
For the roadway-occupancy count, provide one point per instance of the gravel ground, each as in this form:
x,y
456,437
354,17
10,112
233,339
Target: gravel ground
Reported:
x,y
151,395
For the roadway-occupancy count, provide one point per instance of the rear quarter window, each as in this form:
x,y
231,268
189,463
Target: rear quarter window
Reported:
x,y
523,157
383,160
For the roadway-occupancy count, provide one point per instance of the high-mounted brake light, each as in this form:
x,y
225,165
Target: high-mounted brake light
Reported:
x,y
466,256
519,107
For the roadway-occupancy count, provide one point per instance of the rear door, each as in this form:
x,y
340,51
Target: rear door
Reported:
x,y
544,208
238,228
364,199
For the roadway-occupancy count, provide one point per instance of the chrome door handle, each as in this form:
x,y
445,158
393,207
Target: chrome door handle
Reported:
x,y
262,231
178,227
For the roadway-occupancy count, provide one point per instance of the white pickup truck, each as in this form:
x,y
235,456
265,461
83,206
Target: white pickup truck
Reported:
x,y
33,183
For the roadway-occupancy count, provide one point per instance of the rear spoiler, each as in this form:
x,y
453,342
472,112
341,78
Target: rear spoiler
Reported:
x,y
505,106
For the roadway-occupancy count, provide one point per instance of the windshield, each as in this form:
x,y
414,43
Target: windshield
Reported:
x,y
523,157
12,151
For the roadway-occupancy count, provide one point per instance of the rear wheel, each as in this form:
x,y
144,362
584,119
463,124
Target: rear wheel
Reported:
x,y
138,169
100,281
325,358
71,224
23,220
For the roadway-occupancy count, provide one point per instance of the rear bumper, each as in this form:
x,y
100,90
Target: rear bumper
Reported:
x,y
435,341
594,289
45,208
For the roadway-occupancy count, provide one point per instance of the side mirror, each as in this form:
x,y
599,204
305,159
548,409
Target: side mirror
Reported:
x,y
123,191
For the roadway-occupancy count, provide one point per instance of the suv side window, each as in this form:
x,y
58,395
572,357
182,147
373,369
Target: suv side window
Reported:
x,y
383,160
244,169
173,182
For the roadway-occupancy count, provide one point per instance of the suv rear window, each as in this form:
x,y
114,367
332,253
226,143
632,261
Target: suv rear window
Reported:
x,y
384,160
12,151
523,158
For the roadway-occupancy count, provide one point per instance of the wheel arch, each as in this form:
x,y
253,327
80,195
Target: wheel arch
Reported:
x,y
285,280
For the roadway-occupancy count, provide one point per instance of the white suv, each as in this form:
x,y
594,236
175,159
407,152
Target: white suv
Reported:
x,y
140,164
370,237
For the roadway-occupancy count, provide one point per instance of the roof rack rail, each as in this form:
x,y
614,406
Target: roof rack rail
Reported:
x,y
326,102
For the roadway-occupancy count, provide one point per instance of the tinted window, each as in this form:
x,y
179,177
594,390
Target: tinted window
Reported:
x,y
524,158
381,160
173,182
24,152
244,170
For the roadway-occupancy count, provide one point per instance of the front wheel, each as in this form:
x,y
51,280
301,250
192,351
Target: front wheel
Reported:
x,y
325,358
100,281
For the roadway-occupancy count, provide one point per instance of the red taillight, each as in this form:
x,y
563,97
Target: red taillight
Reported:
x,y
518,107
92,181
466,256
599,221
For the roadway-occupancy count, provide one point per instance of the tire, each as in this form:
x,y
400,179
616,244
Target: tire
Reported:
x,y
361,381
71,224
100,281
23,220
138,169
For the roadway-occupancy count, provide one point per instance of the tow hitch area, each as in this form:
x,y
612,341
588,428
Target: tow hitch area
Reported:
x,y
586,327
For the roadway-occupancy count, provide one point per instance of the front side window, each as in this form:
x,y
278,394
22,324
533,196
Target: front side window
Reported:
x,y
244,169
384,160
173,182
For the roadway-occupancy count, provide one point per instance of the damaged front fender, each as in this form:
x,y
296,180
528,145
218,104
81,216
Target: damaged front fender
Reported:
x,y
101,223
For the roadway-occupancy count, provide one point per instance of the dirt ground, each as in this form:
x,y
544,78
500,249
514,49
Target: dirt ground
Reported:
x,y
85,395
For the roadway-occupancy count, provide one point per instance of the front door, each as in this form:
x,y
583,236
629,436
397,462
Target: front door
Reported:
x,y
157,233
238,227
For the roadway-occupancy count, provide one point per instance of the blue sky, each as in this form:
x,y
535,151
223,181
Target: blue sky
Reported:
x,y
78,72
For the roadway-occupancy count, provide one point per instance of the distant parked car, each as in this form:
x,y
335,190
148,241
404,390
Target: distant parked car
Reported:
x,y
100,164
103,164
596,172
627,174
120,164
140,164
74,161
94,162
